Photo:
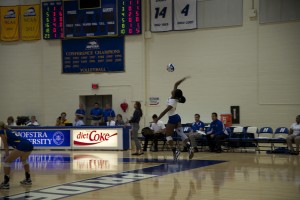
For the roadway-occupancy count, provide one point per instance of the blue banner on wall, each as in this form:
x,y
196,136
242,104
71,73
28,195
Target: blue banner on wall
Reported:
x,y
47,138
93,55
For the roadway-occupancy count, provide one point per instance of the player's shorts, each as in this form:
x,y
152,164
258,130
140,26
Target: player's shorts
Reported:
x,y
174,119
25,146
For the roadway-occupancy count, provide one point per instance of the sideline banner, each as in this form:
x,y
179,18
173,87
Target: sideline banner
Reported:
x,y
93,55
30,22
47,138
161,15
185,14
9,23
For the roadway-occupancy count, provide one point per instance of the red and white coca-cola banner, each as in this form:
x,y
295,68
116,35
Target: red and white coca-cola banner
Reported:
x,y
86,138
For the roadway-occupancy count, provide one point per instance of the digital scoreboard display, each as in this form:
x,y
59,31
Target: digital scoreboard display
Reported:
x,y
52,20
90,22
64,19
130,17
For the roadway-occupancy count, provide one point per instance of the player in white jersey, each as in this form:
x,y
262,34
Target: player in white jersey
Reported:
x,y
174,121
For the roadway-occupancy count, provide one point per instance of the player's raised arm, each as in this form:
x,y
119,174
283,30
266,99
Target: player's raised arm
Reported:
x,y
180,81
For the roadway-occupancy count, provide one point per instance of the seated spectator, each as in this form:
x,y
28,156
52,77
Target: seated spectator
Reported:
x,y
158,130
78,120
119,121
11,121
216,134
108,111
62,120
32,122
294,136
110,121
58,121
195,134
80,111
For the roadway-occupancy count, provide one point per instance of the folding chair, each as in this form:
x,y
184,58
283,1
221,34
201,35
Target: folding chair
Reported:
x,y
235,137
250,137
265,135
280,135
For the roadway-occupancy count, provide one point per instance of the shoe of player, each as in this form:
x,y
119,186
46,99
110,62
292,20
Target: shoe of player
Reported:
x,y
191,153
4,186
26,182
176,153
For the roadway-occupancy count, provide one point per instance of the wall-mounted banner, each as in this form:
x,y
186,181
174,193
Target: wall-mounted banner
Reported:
x,y
185,14
47,138
30,22
153,101
93,55
161,15
9,23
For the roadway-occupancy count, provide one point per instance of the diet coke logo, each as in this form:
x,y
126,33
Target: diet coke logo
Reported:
x,y
84,138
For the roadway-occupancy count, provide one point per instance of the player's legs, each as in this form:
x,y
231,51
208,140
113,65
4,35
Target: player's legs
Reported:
x,y
169,132
185,140
14,154
24,157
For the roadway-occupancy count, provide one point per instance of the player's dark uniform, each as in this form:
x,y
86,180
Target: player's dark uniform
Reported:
x,y
16,141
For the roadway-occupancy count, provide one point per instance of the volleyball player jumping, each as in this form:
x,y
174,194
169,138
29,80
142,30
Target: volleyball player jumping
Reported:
x,y
22,149
174,121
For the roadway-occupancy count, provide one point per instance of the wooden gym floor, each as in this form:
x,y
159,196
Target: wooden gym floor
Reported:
x,y
154,175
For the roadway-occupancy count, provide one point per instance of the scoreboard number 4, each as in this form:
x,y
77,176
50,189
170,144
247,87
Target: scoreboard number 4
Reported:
x,y
163,11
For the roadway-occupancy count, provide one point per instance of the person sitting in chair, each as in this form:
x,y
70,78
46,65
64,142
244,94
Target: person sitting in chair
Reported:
x,y
216,134
294,136
157,131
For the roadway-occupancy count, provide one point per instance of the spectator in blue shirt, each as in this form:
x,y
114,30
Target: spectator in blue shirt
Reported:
x,y
96,114
216,134
80,111
195,134
108,112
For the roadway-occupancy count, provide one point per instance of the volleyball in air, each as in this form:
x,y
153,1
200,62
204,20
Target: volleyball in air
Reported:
x,y
170,67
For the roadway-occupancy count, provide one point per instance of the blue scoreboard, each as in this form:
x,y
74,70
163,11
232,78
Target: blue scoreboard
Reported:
x,y
64,19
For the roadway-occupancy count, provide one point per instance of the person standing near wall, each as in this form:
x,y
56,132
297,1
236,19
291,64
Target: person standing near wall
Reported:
x,y
135,123
22,149
294,136
96,114
108,112
80,111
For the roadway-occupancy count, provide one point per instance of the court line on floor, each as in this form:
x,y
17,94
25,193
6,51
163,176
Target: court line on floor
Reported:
x,y
163,167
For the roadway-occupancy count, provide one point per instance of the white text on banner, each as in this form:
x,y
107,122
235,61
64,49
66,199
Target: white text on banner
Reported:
x,y
161,15
185,14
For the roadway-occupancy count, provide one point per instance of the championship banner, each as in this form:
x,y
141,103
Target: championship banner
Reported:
x,y
9,23
93,55
185,14
30,22
161,15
